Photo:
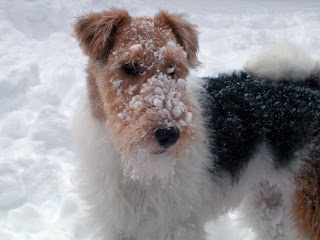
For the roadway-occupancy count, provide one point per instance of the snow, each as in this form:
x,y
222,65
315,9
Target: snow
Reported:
x,y
165,97
116,84
42,74
135,47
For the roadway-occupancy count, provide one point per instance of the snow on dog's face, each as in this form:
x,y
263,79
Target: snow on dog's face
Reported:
x,y
137,82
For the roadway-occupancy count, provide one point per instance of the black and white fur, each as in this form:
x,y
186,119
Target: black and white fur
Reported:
x,y
258,123
261,122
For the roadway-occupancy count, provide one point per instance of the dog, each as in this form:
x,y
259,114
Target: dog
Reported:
x,y
138,130
265,122
162,153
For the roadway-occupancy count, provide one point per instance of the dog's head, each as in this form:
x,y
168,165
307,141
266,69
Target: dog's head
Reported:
x,y
137,81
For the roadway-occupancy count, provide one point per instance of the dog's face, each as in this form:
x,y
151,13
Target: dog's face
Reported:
x,y
138,69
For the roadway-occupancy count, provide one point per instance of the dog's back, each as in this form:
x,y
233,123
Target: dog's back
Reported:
x,y
244,111
264,126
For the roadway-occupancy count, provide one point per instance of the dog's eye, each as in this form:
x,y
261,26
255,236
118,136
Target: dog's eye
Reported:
x,y
131,69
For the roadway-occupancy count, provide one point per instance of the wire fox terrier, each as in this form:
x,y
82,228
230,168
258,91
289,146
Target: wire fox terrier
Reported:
x,y
162,153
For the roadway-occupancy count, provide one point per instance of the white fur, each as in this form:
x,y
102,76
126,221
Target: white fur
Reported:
x,y
270,191
281,62
268,197
125,208
267,205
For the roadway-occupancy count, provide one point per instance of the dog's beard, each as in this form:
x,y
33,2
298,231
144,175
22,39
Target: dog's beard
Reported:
x,y
147,164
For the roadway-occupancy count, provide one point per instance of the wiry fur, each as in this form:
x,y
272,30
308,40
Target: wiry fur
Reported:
x,y
243,136
135,188
283,201
186,34
261,136
135,106
268,198
95,31
122,207
306,209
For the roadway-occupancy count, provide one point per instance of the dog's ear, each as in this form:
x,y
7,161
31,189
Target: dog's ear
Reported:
x,y
95,31
185,33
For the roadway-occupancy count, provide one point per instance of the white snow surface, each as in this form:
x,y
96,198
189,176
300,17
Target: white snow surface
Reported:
x,y
42,75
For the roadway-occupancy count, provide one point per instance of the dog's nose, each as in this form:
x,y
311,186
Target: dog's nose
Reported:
x,y
167,136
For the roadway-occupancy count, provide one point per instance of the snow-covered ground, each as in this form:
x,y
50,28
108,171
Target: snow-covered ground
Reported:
x,y
42,74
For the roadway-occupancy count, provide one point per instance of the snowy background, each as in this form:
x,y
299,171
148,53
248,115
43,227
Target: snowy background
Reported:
x,y
42,74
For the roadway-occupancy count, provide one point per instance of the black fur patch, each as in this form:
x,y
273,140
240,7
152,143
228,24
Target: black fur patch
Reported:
x,y
242,111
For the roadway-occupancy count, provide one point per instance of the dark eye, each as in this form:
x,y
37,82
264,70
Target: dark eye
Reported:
x,y
131,69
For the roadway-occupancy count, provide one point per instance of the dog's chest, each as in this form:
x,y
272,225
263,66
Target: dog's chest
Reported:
x,y
155,206
156,199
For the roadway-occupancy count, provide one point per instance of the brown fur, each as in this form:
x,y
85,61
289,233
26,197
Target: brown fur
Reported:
x,y
112,39
95,98
95,31
186,34
306,208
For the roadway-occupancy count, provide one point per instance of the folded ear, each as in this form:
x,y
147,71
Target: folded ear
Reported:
x,y
95,31
185,33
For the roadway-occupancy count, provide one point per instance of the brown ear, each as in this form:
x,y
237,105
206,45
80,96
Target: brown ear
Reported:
x,y
94,31
185,32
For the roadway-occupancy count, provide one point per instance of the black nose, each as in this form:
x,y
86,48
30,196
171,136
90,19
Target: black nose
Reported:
x,y
167,136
